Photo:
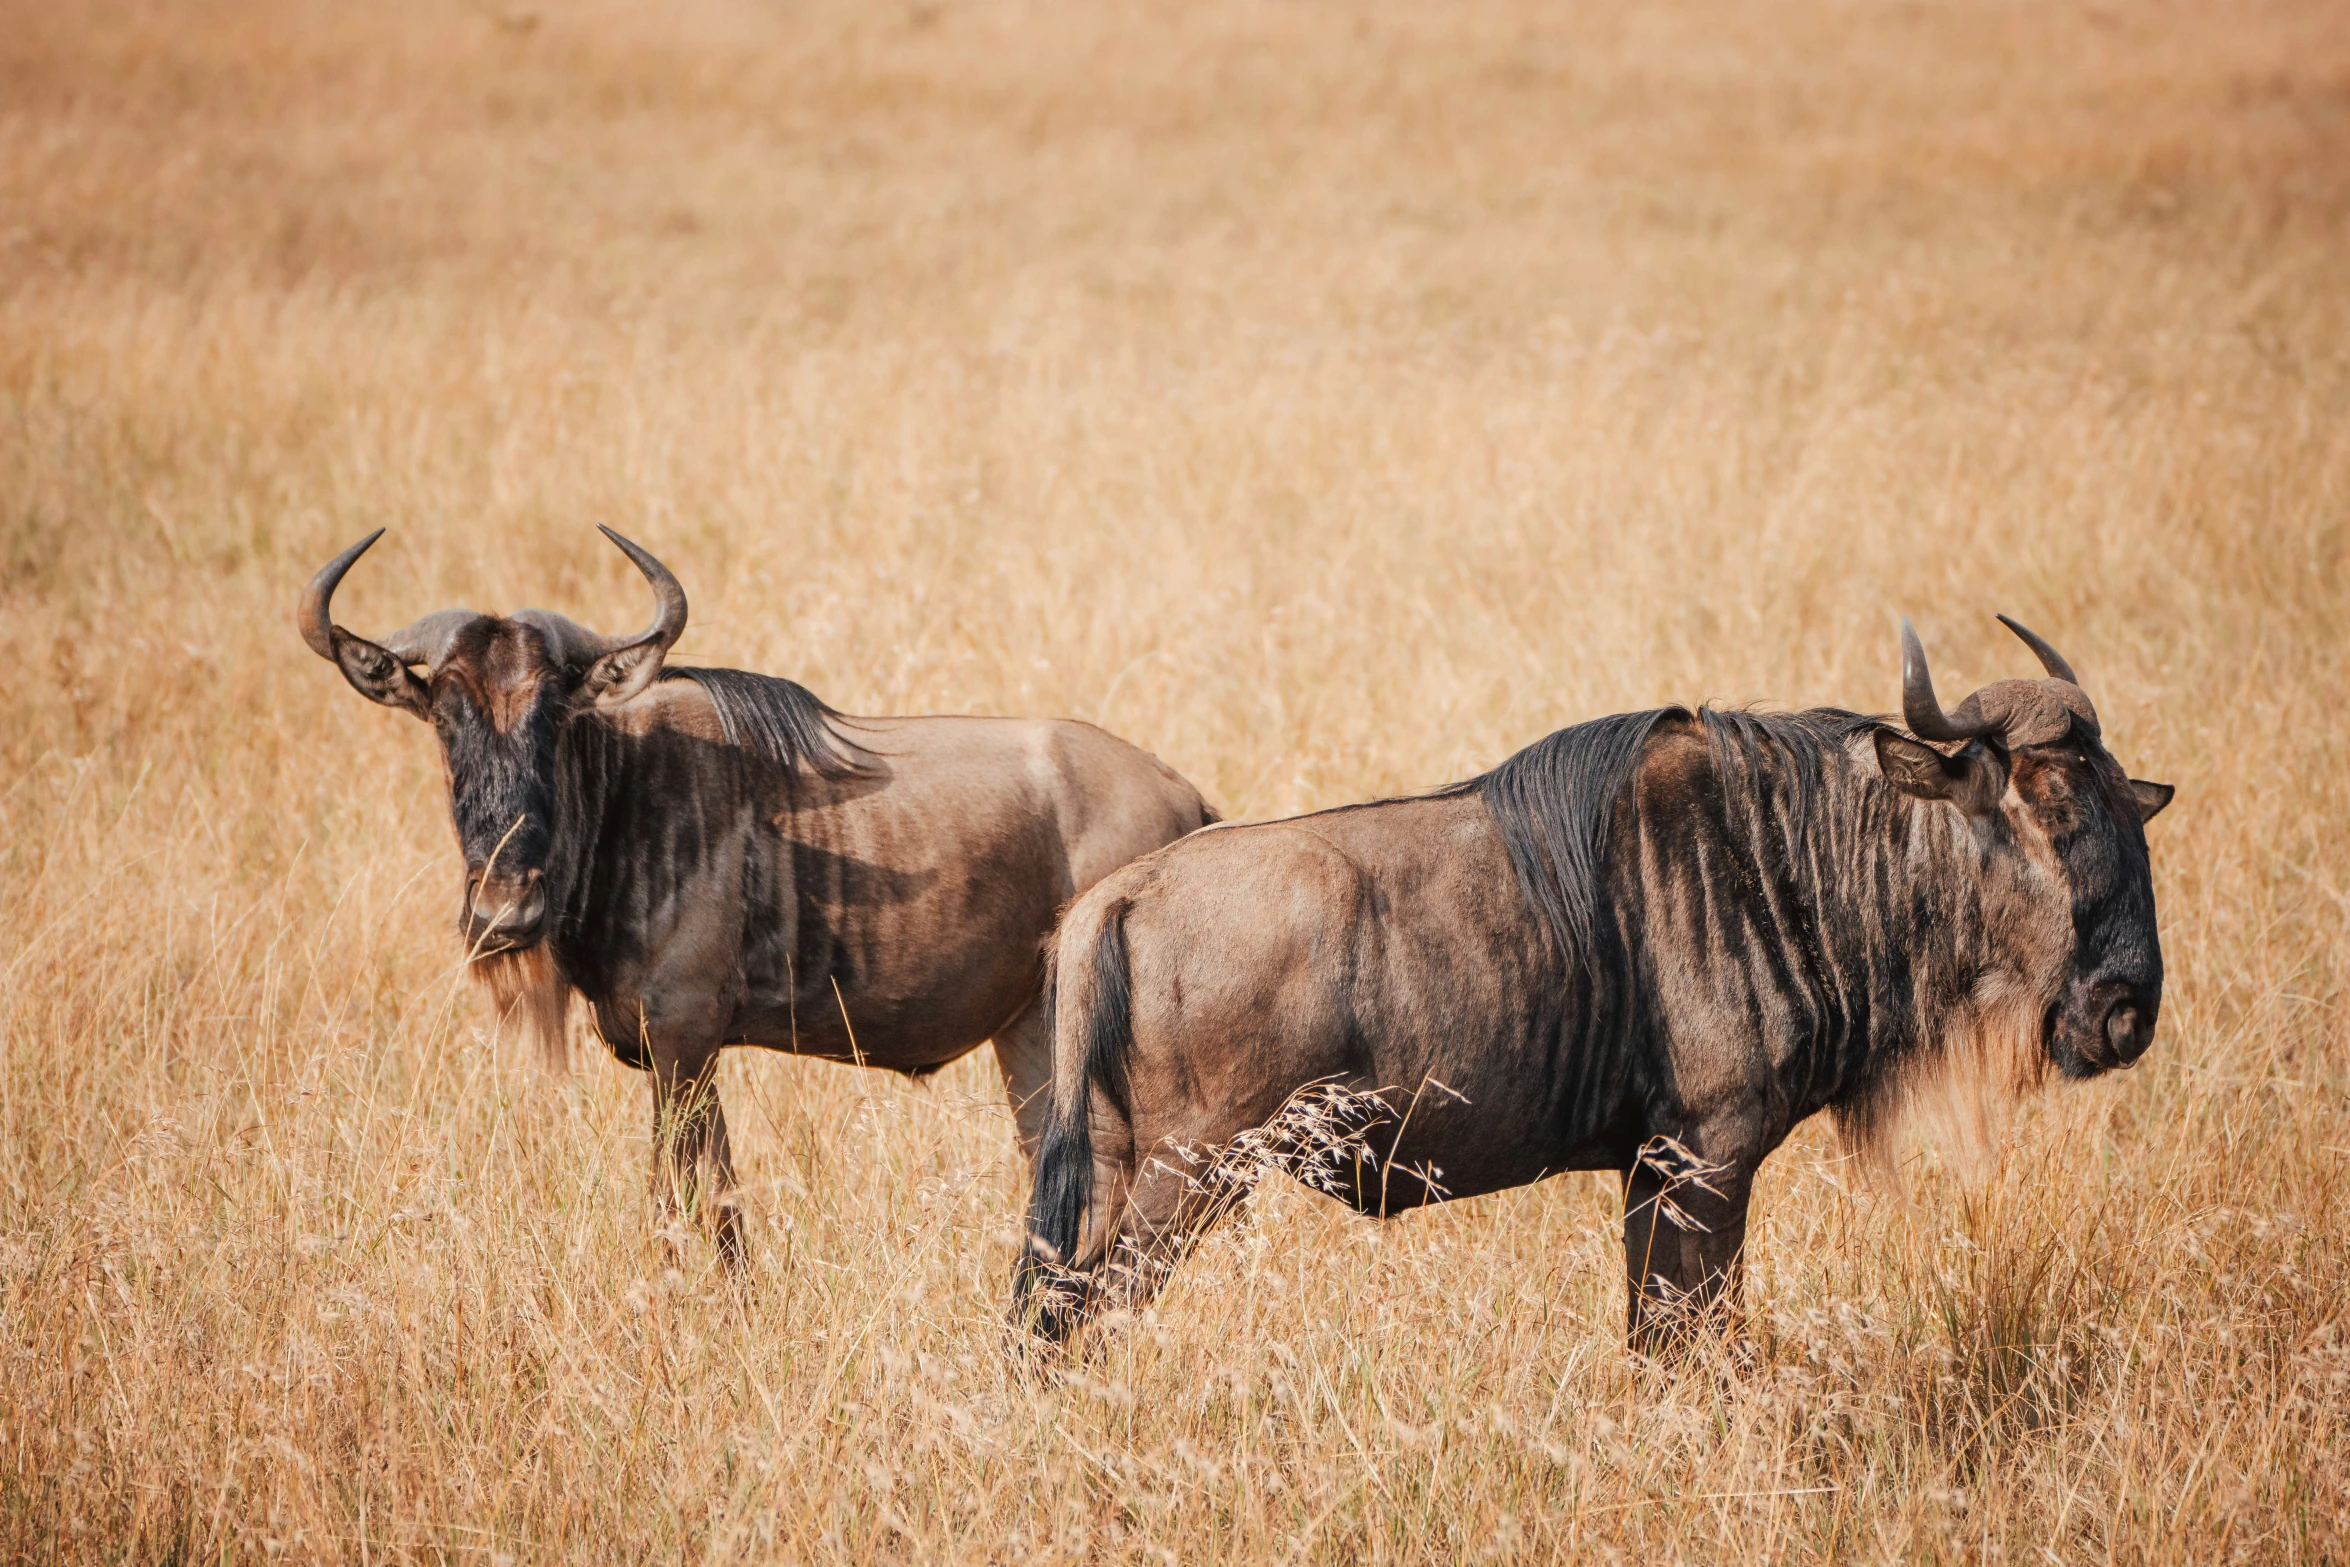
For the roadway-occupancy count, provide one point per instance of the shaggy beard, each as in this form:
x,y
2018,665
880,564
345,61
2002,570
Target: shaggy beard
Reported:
x,y
530,990
1959,1092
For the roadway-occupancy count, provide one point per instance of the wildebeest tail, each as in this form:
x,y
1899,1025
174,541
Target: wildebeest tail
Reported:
x,y
1048,1291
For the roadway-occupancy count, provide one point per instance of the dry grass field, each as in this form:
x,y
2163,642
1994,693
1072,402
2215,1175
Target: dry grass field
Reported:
x,y
1331,399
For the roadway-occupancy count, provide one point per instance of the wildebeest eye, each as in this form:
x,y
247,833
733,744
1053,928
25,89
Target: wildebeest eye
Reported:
x,y
2052,785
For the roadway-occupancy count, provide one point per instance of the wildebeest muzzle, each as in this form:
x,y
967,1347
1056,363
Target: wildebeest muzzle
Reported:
x,y
505,910
2104,1024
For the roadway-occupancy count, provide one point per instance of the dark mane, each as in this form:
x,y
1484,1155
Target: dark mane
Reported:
x,y
1555,801
780,720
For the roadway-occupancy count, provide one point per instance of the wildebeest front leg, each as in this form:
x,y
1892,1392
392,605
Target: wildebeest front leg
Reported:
x,y
693,1165
1684,1246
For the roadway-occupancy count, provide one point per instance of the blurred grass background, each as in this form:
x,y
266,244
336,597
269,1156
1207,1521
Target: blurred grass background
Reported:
x,y
1329,398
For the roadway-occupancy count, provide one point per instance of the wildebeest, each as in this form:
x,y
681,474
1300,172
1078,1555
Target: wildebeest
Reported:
x,y
711,857
1652,944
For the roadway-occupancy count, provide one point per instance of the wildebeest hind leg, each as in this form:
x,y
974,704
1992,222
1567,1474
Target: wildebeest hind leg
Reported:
x,y
1172,1202
693,1163
1024,1054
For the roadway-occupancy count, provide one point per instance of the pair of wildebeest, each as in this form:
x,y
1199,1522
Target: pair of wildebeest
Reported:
x,y
1651,943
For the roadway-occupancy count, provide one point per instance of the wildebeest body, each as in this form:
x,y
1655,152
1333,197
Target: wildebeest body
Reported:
x,y
1392,975
713,857
864,917
1651,944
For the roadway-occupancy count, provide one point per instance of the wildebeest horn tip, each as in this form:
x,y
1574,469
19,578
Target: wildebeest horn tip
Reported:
x,y
669,620
2050,659
1921,707
315,617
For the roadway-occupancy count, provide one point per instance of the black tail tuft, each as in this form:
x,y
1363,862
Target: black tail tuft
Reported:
x,y
1109,1031
1047,1297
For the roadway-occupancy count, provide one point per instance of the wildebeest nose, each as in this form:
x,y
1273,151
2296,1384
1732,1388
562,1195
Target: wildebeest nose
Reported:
x,y
2129,1029
509,907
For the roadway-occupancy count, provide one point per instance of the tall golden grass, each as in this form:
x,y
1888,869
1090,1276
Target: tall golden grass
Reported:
x,y
1329,398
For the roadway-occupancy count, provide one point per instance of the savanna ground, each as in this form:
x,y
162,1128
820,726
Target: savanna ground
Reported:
x,y
1329,398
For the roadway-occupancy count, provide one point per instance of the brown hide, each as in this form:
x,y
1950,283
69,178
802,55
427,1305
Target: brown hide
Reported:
x,y
1761,916
713,858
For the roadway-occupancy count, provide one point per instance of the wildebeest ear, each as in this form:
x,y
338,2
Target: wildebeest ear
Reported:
x,y
379,675
624,672
1971,780
2151,797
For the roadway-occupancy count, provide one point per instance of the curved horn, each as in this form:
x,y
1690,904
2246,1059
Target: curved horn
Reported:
x,y
315,615
1922,708
2050,659
669,619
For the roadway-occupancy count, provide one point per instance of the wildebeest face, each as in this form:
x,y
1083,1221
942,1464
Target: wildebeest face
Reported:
x,y
498,693
2036,778
498,702
2094,819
